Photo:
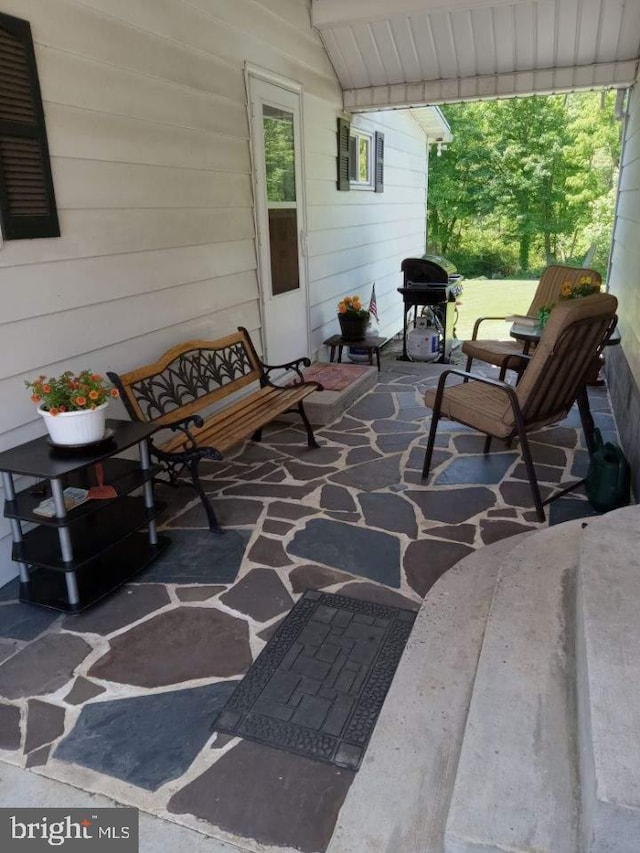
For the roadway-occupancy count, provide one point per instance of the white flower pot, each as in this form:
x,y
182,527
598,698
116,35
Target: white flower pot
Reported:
x,y
74,428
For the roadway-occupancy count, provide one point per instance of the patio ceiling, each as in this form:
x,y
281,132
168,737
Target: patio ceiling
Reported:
x,y
398,53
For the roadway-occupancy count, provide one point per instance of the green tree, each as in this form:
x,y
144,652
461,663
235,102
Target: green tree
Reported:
x,y
533,174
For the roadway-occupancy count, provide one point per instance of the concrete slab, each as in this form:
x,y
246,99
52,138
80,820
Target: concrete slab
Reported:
x,y
25,789
608,656
325,407
399,799
517,776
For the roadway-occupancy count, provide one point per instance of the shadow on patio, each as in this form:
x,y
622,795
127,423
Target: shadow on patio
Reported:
x,y
119,700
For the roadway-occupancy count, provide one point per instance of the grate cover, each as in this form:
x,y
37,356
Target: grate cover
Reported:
x,y
318,685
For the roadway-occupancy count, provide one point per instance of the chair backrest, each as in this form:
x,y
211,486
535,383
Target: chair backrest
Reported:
x,y
551,281
574,336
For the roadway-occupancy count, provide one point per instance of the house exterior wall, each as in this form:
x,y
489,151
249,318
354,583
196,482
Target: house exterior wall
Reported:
x,y
146,115
623,362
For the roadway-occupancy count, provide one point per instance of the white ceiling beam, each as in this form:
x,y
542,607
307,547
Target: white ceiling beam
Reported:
x,y
544,81
327,13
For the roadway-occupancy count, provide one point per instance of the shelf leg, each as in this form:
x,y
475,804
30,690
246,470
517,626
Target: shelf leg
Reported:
x,y
145,464
64,537
16,527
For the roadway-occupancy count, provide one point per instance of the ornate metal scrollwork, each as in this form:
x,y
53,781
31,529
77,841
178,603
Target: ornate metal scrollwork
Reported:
x,y
190,376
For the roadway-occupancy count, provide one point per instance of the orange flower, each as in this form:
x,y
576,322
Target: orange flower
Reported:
x,y
96,377
35,398
81,401
93,395
53,411
114,392
46,389
62,409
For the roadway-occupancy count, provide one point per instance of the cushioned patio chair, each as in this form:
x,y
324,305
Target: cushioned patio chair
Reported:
x,y
500,353
553,379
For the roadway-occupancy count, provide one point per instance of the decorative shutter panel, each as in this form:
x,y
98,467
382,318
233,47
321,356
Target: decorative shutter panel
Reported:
x,y
379,163
27,200
344,127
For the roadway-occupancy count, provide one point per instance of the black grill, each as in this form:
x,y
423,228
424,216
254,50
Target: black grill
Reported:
x,y
433,281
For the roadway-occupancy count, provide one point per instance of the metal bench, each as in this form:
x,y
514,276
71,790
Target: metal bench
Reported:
x,y
176,391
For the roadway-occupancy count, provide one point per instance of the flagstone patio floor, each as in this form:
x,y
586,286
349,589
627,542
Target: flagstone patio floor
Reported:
x,y
119,700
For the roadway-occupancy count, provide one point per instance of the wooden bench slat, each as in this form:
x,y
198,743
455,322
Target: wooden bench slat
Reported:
x,y
236,423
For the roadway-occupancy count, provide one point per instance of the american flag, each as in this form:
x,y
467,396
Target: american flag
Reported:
x,y
373,305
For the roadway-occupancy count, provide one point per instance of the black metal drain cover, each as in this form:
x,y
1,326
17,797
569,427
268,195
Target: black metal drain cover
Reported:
x,y
318,685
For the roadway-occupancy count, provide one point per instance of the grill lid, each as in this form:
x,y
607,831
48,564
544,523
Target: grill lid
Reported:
x,y
420,271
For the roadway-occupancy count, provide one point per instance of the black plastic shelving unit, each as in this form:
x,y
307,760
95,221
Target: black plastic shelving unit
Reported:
x,y
75,558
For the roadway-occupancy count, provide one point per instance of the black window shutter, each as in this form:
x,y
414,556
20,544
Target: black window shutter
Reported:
x,y
27,200
344,128
379,163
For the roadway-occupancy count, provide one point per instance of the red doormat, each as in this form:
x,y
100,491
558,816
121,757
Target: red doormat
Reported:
x,y
334,377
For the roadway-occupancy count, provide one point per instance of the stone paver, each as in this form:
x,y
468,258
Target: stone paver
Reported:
x,y
24,622
199,556
146,740
425,561
199,592
368,553
453,505
294,801
315,577
370,476
177,646
126,606
82,690
389,512
269,552
260,594
9,727
43,666
45,723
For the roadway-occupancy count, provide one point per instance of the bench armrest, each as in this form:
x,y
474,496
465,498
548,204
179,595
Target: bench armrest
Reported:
x,y
191,443
296,366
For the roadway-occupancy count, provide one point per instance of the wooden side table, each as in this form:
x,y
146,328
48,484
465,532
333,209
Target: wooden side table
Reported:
x,y
371,343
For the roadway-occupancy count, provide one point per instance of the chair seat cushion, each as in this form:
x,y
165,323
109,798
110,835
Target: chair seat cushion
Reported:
x,y
492,352
484,407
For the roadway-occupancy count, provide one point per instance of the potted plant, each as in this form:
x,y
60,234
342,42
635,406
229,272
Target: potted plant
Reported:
x,y
73,406
353,318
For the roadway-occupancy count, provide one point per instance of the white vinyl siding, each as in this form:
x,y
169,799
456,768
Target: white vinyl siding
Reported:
x,y
146,116
625,259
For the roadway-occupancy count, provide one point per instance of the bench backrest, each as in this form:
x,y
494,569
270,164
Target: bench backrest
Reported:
x,y
189,377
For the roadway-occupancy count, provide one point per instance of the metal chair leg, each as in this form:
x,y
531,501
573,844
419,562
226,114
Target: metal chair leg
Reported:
x,y
487,444
435,417
531,471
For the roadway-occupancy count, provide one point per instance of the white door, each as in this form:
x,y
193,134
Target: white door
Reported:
x,y
277,161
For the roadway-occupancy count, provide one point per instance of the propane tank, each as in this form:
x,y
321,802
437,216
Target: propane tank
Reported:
x,y
423,342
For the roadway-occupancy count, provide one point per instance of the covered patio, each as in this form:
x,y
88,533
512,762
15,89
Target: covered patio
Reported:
x,y
103,700
149,121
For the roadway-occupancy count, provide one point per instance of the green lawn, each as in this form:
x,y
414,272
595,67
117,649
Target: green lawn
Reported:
x,y
491,297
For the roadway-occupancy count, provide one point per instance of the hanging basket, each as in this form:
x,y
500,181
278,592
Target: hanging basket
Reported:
x,y
353,328
68,429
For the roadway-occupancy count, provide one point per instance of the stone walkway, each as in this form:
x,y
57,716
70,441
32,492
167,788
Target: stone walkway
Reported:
x,y
119,700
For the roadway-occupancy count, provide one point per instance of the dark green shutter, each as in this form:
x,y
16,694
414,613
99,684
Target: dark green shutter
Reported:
x,y
27,200
344,128
379,163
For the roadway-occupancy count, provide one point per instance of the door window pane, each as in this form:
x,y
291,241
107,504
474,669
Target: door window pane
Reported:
x,y
283,244
279,155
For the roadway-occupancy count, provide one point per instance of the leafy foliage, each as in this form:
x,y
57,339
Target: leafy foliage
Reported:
x,y
70,393
530,180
